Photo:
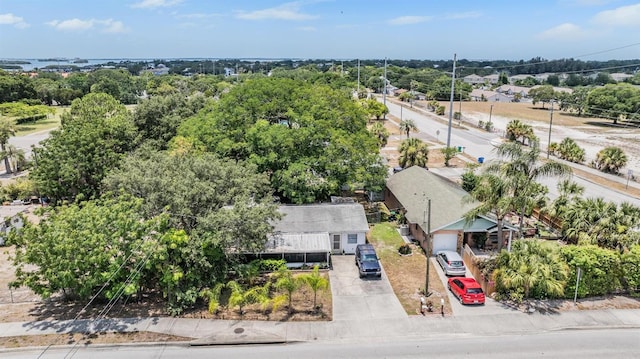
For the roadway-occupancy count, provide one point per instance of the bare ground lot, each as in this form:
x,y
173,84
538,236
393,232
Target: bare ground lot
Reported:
x,y
592,134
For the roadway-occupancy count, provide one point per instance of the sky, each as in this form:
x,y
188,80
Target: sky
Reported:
x,y
321,29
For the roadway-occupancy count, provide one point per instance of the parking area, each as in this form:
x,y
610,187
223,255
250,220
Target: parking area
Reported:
x,y
490,306
355,298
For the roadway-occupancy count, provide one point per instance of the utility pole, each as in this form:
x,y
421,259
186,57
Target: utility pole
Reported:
x,y
460,109
428,249
453,85
490,112
384,88
550,122
358,77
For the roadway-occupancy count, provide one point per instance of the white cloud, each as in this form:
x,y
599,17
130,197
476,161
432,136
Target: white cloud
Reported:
x,y
196,16
72,24
113,27
622,16
108,25
566,31
586,2
288,11
11,19
308,28
408,20
152,4
464,15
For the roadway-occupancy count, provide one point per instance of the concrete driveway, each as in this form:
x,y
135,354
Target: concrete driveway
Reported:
x,y
490,306
357,299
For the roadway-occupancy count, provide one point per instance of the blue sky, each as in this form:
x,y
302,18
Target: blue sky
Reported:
x,y
338,29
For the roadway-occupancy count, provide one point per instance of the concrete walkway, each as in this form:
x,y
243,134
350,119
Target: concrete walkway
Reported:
x,y
207,331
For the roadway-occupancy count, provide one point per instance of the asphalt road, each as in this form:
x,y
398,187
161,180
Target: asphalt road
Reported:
x,y
479,143
571,344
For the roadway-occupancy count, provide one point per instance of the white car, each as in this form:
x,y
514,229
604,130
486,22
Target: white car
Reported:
x,y
451,263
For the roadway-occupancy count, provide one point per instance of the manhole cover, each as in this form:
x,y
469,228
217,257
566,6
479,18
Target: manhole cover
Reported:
x,y
238,330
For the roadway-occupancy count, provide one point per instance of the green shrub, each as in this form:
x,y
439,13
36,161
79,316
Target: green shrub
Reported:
x,y
269,265
600,267
630,263
405,249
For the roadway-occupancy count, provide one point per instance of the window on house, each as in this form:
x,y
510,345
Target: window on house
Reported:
x,y
352,238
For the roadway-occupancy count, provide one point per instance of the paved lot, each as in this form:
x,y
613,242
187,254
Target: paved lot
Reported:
x,y
357,299
490,307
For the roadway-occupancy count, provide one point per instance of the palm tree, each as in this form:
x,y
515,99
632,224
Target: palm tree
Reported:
x,y
493,193
16,158
568,192
608,160
380,132
288,283
7,129
413,152
532,270
521,167
408,126
316,282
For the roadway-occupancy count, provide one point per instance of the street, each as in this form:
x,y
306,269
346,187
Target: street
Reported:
x,y
478,143
585,344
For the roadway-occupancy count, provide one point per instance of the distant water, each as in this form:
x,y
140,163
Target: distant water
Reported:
x,y
37,63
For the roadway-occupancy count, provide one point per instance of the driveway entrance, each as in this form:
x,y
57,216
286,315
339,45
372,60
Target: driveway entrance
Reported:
x,y
357,299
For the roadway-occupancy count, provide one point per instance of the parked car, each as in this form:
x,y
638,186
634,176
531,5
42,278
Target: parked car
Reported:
x,y
467,290
451,263
367,261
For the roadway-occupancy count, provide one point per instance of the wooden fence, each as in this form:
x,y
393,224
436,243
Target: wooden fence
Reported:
x,y
469,258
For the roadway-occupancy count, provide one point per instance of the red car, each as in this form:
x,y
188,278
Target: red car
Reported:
x,y
467,290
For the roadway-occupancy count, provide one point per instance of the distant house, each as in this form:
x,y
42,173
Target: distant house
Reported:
x,y
309,234
515,78
10,220
492,79
158,70
557,89
411,189
489,96
619,77
473,79
512,90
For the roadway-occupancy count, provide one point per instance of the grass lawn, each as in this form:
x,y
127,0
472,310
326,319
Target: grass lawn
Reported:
x,y
406,273
49,123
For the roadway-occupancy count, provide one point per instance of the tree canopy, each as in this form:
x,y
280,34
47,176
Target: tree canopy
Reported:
x,y
311,139
94,136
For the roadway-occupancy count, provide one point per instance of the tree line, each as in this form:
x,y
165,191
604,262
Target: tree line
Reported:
x,y
166,199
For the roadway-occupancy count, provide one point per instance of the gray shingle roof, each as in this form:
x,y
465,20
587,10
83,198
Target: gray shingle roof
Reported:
x,y
414,185
332,218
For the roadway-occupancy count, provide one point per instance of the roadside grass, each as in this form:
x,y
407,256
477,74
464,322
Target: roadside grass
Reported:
x,y
49,123
407,273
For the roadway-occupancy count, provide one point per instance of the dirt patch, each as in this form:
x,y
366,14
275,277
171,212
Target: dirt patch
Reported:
x,y
407,275
391,154
554,306
82,339
22,305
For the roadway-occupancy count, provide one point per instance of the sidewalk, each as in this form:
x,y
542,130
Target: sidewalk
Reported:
x,y
217,332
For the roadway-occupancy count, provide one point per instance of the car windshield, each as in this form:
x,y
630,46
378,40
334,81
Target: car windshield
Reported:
x,y
456,264
474,290
369,258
